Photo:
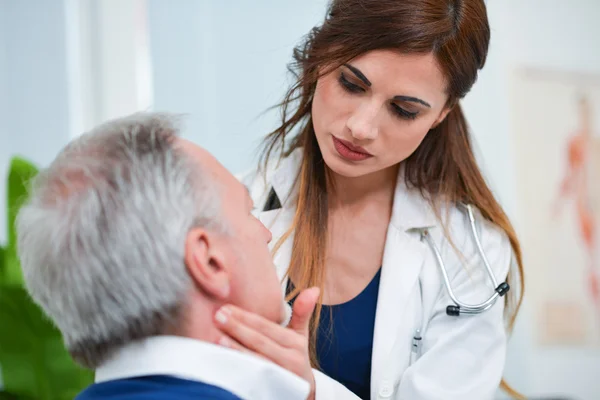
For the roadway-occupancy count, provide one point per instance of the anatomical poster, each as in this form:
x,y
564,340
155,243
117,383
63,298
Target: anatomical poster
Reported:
x,y
555,131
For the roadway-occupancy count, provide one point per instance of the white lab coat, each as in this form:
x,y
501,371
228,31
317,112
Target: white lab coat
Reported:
x,y
459,357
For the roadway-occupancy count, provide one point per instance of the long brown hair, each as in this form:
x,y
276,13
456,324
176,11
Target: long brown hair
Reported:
x,y
443,166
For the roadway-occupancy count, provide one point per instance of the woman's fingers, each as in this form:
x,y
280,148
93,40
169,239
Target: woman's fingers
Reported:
x,y
229,342
304,305
280,335
286,347
249,339
226,341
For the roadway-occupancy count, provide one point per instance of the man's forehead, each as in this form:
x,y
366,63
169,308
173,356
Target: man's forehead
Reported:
x,y
204,158
192,149
219,172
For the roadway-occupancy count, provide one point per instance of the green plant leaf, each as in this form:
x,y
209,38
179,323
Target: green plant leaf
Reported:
x,y
34,361
20,174
2,265
12,396
35,364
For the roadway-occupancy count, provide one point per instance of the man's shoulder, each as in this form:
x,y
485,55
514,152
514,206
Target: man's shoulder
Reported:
x,y
154,388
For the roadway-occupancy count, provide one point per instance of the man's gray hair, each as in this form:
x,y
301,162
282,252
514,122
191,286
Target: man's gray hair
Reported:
x,y
101,238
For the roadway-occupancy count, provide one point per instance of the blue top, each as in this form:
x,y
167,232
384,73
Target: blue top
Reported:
x,y
345,340
154,388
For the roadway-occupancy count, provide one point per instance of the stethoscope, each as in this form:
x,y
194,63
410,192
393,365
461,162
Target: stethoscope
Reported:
x,y
459,307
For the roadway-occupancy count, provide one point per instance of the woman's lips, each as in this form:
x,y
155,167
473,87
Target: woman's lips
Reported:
x,y
350,152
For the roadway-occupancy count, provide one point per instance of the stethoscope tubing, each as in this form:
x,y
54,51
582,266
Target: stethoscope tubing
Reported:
x,y
460,307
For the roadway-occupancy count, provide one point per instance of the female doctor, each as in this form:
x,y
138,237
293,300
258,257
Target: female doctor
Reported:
x,y
375,156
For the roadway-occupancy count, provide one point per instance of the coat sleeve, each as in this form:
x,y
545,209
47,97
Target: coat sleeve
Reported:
x,y
327,388
463,357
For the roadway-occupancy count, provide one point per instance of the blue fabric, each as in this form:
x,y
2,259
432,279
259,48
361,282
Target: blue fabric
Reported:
x,y
345,339
154,388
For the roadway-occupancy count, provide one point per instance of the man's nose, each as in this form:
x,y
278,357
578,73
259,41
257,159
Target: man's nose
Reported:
x,y
267,231
269,234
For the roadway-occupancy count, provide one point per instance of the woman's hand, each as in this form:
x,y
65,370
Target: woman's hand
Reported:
x,y
287,347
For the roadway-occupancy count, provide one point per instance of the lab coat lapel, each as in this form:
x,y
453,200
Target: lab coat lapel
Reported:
x,y
402,262
279,220
403,259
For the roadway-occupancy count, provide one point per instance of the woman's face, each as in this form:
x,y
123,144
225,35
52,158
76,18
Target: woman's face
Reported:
x,y
373,112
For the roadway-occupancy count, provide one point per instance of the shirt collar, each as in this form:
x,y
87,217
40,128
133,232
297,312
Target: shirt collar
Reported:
x,y
247,376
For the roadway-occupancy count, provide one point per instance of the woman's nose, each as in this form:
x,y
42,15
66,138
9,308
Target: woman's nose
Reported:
x,y
363,123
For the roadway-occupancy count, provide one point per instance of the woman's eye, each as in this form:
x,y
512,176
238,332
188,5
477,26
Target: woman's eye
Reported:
x,y
349,86
402,113
353,88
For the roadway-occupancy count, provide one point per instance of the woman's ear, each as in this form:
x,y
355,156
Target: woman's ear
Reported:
x,y
205,263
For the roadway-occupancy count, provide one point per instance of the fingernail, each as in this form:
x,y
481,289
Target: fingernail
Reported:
x,y
224,341
316,292
222,315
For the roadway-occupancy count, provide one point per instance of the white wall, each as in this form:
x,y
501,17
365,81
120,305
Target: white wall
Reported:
x,y
225,64
34,102
554,33
38,114
110,60
3,114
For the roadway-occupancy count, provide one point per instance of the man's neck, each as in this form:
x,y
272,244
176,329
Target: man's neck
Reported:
x,y
198,322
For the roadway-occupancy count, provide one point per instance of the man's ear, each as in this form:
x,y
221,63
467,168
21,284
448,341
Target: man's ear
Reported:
x,y
442,116
206,264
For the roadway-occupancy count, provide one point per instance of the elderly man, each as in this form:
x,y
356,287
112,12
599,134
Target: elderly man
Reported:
x,y
131,241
